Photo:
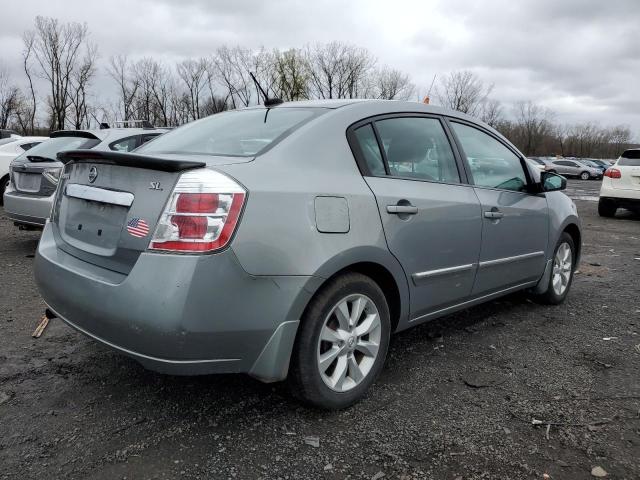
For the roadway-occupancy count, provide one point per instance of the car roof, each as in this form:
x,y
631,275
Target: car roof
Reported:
x,y
391,106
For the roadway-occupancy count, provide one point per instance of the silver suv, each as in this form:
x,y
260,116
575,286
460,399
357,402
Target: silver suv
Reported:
x,y
292,241
575,168
34,174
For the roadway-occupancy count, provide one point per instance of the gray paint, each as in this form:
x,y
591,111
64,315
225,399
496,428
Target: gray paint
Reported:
x,y
309,214
332,214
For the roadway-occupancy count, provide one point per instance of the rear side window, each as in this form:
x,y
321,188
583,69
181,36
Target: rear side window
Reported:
x,y
418,147
630,158
50,148
370,151
241,133
27,146
492,163
125,144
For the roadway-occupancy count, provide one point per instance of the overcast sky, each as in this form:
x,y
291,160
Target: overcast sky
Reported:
x,y
581,58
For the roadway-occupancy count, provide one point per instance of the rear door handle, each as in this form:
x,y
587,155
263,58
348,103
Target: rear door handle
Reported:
x,y
493,214
402,209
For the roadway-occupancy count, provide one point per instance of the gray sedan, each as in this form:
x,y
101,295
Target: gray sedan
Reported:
x,y
34,174
291,241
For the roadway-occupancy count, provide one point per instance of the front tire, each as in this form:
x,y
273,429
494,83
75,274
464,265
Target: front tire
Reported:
x,y
563,266
585,176
607,208
342,343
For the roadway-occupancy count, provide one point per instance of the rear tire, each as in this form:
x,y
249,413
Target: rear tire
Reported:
x,y
585,176
561,278
329,368
607,208
4,182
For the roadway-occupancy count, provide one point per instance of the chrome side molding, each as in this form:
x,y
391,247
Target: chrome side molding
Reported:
x,y
442,271
516,258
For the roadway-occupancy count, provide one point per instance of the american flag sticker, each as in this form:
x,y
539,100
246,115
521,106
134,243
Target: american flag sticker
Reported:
x,y
137,227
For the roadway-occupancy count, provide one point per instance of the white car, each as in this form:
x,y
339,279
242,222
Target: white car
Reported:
x,y
10,148
621,185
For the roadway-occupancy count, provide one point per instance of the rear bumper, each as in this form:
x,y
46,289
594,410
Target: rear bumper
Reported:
x,y
27,209
178,314
625,194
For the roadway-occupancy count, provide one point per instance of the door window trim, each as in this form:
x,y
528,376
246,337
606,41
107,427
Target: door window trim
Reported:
x,y
359,156
530,183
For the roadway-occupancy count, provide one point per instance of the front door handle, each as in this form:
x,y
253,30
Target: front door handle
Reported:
x,y
493,214
402,209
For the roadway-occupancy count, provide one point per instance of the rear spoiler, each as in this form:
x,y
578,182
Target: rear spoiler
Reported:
x,y
127,160
73,133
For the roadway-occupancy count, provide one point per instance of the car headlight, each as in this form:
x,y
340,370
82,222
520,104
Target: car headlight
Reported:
x,y
52,174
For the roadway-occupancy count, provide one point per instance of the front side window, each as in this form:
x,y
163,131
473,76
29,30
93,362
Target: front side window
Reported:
x,y
492,164
418,147
242,133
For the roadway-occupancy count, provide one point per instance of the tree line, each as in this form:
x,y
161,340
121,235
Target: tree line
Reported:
x,y
63,57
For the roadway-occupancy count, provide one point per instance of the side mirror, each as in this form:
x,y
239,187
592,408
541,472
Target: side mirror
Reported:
x,y
552,182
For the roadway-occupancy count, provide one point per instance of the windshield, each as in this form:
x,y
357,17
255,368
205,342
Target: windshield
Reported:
x,y
630,158
241,133
50,148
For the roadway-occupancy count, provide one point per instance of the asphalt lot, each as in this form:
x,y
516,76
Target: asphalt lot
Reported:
x,y
70,408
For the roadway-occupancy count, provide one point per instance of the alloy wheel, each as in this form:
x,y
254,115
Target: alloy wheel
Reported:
x,y
349,342
562,263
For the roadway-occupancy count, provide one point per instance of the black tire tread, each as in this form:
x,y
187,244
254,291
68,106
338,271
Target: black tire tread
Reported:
x,y
304,384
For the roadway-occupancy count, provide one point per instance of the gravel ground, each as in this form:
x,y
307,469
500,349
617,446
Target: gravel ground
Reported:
x,y
455,401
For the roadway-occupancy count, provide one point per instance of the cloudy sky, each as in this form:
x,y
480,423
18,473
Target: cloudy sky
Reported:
x,y
581,58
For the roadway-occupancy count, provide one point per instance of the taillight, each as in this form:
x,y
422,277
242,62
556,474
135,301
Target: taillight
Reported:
x,y
201,214
613,173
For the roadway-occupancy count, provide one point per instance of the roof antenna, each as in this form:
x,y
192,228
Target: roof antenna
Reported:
x,y
268,102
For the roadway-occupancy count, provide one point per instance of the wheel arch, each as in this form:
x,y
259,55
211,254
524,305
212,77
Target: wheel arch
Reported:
x,y
576,235
382,268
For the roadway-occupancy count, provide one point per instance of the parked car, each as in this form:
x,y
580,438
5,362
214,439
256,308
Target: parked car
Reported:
x,y
575,168
35,173
291,241
5,133
591,163
10,148
603,164
539,163
621,185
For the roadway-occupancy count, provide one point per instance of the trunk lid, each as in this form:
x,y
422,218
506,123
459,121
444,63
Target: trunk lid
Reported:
x,y
108,204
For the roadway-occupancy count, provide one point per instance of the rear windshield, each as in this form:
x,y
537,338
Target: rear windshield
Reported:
x,y
240,133
50,148
630,158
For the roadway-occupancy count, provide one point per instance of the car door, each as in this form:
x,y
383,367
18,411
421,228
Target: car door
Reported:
x,y
431,218
515,226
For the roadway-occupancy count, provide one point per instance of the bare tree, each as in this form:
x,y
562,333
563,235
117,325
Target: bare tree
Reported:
x,y
57,49
338,70
391,84
291,75
27,112
533,124
491,112
462,91
193,74
121,71
231,66
9,98
80,79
